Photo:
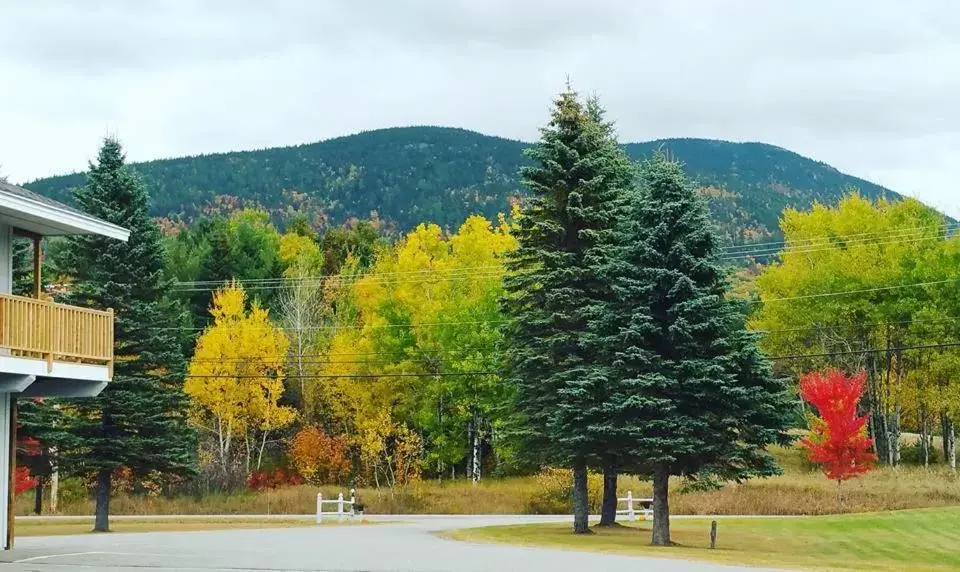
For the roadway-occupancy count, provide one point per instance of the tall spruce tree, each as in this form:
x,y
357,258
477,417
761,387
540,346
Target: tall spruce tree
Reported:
x,y
693,396
554,361
138,421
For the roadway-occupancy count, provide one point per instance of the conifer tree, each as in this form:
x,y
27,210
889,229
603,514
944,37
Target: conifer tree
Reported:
x,y
138,421
693,395
554,361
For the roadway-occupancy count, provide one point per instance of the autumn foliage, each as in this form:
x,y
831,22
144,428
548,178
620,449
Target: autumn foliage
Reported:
x,y
318,457
23,481
838,440
263,480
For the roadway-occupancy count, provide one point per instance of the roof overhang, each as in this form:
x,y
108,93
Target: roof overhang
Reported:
x,y
48,218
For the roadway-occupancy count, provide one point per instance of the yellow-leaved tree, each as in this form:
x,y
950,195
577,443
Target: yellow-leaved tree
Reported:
x,y
236,381
410,372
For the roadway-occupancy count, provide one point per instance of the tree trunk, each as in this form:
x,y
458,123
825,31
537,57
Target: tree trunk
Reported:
x,y
894,428
475,464
581,506
661,506
950,455
839,497
608,508
38,497
54,489
943,434
948,440
102,494
924,436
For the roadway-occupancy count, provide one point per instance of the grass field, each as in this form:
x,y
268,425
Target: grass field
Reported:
x,y
799,491
901,540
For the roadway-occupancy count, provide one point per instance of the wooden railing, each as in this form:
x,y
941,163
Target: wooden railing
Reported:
x,y
55,332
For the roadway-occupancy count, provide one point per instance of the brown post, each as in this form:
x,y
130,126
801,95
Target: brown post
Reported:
x,y
37,282
11,484
713,534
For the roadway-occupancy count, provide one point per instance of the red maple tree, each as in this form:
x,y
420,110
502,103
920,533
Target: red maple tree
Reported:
x,y
838,440
23,481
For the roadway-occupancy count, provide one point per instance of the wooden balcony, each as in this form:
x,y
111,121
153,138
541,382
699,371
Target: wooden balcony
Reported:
x,y
41,329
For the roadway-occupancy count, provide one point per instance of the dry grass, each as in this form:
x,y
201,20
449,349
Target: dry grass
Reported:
x,y
799,491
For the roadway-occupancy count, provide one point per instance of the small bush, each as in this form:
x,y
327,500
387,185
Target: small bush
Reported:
x,y
318,457
263,480
72,490
553,492
912,454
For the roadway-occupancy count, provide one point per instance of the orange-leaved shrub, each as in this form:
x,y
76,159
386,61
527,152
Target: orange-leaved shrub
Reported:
x,y
318,457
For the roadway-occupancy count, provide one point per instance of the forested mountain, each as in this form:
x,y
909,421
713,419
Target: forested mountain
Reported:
x,y
408,175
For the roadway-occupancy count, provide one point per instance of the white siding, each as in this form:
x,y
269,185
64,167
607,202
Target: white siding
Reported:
x,y
6,258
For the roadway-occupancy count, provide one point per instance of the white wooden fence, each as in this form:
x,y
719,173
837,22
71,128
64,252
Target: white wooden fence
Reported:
x,y
344,507
643,507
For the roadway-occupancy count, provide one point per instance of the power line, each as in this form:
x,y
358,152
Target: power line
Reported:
x,y
354,284
341,327
464,269
859,325
359,375
865,290
817,241
801,250
867,351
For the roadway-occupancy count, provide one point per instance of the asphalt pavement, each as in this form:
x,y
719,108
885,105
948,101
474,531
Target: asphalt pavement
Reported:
x,y
397,544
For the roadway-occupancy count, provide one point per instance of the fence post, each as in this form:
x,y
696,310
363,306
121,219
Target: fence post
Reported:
x,y
631,515
353,502
319,508
340,505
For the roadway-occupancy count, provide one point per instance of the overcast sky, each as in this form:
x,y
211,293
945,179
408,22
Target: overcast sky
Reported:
x,y
869,86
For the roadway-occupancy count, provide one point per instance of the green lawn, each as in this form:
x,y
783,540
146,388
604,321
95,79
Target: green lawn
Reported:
x,y
927,539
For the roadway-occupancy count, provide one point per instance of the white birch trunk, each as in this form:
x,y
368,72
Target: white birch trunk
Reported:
x,y
475,464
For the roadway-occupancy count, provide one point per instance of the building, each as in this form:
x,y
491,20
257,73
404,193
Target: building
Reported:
x,y
46,349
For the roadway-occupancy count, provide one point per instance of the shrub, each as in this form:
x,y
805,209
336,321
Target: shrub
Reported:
x,y
912,454
553,492
318,457
23,480
263,480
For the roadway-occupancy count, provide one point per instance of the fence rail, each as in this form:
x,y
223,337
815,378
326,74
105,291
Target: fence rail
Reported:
x,y
344,507
55,332
643,507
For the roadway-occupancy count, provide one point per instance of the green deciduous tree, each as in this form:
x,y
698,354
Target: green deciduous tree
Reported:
x,y
864,276
692,394
425,317
138,421
555,362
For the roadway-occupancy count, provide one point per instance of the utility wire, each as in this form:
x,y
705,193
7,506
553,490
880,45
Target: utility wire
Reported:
x,y
359,375
867,351
816,241
865,290
341,327
834,247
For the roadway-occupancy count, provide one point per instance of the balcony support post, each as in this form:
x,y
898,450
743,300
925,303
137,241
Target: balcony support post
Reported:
x,y
12,470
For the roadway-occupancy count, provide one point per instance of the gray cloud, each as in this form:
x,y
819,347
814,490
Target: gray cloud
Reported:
x,y
867,86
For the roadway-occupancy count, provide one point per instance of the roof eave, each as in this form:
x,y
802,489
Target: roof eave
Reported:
x,y
78,223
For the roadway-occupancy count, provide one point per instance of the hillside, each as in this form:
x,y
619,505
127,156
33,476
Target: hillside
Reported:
x,y
412,174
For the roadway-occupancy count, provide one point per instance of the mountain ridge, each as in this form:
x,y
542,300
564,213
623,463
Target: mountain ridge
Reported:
x,y
413,174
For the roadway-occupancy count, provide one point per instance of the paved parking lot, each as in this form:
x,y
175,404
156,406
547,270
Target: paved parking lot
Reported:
x,y
409,545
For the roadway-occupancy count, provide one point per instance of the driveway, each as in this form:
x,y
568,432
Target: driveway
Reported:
x,y
407,545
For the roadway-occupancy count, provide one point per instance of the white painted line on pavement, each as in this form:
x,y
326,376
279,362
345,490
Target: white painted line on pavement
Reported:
x,y
88,553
